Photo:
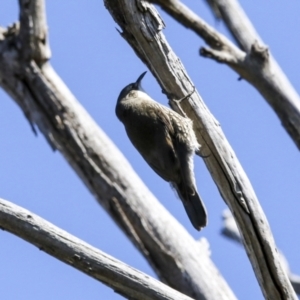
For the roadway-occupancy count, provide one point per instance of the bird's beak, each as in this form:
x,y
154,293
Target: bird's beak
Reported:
x,y
138,82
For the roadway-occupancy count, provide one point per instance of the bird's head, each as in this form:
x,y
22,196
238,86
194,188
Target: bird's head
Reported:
x,y
135,86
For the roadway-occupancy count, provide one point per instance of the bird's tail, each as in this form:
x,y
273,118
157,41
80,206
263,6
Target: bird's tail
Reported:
x,y
196,211
193,205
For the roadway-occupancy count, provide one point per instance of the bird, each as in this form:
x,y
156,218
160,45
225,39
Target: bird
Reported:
x,y
166,141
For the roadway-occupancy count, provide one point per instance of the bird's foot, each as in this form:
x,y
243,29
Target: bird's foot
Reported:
x,y
185,97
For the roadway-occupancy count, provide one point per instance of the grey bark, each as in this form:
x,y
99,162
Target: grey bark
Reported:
x,y
253,62
125,280
141,27
231,231
47,103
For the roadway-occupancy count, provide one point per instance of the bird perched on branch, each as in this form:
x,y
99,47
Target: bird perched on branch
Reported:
x,y
166,141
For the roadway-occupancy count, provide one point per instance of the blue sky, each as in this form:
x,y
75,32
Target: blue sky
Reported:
x,y
96,63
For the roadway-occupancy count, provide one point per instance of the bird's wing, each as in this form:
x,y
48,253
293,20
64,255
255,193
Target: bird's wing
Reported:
x,y
164,160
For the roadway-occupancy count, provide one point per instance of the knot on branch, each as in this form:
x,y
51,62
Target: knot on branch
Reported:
x,y
259,53
218,56
206,52
11,30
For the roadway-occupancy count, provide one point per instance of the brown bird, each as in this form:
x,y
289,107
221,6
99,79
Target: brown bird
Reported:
x,y
166,141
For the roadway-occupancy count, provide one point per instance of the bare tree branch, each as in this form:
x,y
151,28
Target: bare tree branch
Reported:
x,y
256,64
141,27
46,101
33,31
238,23
230,230
125,280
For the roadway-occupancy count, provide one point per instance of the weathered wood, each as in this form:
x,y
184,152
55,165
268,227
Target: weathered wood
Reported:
x,y
141,27
129,282
253,63
46,101
231,231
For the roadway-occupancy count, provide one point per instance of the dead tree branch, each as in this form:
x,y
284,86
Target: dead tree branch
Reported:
x,y
33,31
46,101
254,64
230,230
125,280
141,27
